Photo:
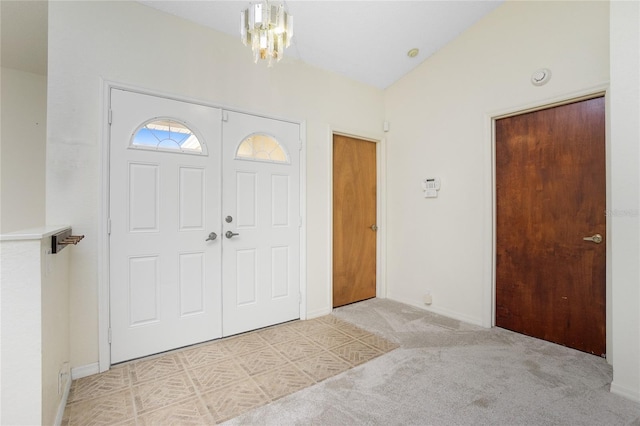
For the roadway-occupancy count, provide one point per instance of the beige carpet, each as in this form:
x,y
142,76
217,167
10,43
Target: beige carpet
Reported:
x,y
450,373
219,380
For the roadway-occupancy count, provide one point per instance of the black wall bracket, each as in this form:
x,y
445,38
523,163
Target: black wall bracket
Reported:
x,y
63,239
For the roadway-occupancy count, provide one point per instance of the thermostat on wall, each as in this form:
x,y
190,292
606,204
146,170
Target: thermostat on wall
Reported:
x,y
431,186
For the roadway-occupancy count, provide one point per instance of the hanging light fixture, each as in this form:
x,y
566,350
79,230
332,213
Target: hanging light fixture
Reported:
x,y
268,29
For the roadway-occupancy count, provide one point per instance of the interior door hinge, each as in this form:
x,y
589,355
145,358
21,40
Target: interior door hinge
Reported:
x,y
300,222
225,116
300,146
299,298
110,119
109,226
109,335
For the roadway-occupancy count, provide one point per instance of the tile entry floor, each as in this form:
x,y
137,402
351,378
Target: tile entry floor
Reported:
x,y
218,380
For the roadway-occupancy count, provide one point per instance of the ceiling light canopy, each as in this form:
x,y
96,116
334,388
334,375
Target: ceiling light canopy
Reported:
x,y
268,29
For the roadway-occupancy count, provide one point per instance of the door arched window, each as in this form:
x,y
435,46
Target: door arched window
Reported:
x,y
262,147
167,134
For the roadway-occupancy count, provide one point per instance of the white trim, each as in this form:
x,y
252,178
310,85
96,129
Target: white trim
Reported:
x,y
303,213
489,234
104,347
489,229
329,299
34,233
439,310
188,99
381,212
381,219
319,312
85,371
63,402
564,99
626,392
104,352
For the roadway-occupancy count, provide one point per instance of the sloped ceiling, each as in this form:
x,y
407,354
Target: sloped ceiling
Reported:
x,y
366,41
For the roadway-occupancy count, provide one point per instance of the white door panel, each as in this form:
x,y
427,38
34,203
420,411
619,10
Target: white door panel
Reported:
x,y
261,265
169,285
164,277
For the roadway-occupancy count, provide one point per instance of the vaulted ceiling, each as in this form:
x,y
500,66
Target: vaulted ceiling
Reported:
x,y
367,41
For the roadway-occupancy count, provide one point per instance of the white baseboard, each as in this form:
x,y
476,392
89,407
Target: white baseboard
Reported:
x,y
438,310
85,370
318,313
632,394
63,402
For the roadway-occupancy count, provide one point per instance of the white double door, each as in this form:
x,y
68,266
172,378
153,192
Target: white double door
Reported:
x,y
171,283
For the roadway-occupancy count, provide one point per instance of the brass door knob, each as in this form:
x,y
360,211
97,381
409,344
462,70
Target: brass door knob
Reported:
x,y
597,238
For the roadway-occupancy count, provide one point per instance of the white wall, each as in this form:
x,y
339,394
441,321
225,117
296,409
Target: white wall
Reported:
x,y
440,126
55,331
23,134
440,116
35,328
21,339
625,189
133,44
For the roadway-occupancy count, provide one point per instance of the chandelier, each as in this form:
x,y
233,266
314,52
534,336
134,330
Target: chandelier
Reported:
x,y
268,29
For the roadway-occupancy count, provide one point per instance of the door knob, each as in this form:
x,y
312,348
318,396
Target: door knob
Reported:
x,y
230,234
597,238
212,236
374,227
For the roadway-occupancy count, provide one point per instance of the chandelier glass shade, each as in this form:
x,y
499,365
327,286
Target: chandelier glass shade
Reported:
x,y
268,29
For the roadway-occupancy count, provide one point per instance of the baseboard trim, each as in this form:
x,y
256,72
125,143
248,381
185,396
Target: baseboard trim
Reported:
x,y
625,392
438,310
85,370
318,313
63,402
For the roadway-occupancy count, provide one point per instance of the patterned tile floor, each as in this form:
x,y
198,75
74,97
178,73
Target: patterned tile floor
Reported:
x,y
216,381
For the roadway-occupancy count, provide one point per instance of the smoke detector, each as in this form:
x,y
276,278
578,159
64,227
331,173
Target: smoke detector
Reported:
x,y
413,52
541,76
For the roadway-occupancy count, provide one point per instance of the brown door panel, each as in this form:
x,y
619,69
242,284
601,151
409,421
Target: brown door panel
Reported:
x,y
550,194
354,212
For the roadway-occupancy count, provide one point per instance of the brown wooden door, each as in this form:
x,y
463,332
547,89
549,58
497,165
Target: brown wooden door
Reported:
x,y
354,214
550,189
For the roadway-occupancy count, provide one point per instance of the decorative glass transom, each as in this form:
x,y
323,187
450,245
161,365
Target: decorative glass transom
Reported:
x,y
167,135
261,147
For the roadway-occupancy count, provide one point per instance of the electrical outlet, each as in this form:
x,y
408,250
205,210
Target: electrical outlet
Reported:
x,y
63,376
60,381
427,299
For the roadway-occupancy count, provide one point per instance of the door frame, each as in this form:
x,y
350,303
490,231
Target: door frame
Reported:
x,y
489,278
104,347
381,234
